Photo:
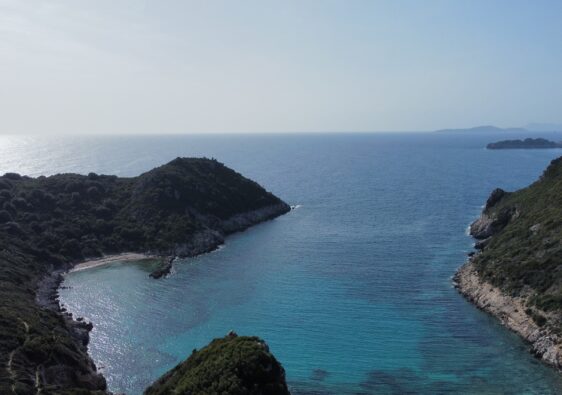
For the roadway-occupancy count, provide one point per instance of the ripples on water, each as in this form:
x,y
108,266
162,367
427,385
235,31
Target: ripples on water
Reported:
x,y
352,291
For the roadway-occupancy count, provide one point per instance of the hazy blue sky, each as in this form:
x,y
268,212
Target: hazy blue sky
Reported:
x,y
236,66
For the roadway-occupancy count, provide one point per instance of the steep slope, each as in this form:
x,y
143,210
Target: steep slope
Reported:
x,y
232,365
517,275
49,223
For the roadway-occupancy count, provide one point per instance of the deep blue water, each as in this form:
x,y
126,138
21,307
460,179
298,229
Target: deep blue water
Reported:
x,y
352,290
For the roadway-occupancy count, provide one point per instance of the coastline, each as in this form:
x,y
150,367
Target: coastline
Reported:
x,y
181,208
511,312
47,288
107,259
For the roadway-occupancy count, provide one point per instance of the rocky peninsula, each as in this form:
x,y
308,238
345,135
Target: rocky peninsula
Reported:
x,y
528,143
516,274
50,224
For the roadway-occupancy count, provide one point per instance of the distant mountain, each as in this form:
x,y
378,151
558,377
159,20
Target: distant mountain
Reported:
x,y
484,129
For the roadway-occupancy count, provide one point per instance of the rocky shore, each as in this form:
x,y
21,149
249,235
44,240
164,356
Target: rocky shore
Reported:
x,y
512,313
503,276
211,238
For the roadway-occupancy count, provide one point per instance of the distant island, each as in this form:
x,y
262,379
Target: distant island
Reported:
x,y
528,143
516,274
50,224
531,128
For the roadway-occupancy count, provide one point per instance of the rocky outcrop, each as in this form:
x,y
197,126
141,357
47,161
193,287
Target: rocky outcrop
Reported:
x,y
242,221
494,198
164,269
492,221
512,312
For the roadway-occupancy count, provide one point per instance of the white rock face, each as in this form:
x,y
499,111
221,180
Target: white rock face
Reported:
x,y
511,312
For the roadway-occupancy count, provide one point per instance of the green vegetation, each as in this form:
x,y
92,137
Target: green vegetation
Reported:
x,y
524,254
232,365
48,223
528,143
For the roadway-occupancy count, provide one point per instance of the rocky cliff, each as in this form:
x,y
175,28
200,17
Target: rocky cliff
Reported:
x,y
516,275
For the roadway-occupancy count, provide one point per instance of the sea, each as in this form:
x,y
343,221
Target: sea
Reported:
x,y
351,290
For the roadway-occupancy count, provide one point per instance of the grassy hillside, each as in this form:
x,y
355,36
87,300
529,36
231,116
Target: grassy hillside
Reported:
x,y
47,223
232,365
523,255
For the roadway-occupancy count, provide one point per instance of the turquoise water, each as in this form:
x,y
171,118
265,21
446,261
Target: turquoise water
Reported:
x,y
352,290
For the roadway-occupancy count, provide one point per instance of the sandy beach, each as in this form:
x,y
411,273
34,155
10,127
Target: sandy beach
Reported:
x,y
128,256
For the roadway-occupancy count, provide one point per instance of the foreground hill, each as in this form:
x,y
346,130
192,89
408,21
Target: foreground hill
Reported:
x,y
232,365
517,276
47,224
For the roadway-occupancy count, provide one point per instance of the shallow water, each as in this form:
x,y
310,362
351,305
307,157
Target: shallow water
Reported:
x,y
352,290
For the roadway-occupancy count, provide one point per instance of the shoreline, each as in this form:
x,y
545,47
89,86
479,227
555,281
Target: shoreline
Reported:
x,y
511,312
181,208
47,288
107,259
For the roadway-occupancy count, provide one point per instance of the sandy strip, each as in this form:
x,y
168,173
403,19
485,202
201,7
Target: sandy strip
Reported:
x,y
128,256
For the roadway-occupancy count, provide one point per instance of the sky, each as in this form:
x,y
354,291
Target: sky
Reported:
x,y
120,66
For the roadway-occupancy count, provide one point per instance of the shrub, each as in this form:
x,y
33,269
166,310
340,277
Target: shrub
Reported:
x,y
12,176
71,248
20,203
94,192
73,186
8,206
5,216
5,194
102,212
76,198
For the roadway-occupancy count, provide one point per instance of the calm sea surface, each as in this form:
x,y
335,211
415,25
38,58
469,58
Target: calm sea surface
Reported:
x,y
352,290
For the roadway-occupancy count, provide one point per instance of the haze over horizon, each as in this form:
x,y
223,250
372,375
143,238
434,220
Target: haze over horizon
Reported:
x,y
261,66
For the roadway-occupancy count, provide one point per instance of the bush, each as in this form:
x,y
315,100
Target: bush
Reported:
x,y
8,206
5,216
72,249
5,194
20,204
76,198
102,212
73,186
538,318
12,176
94,192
